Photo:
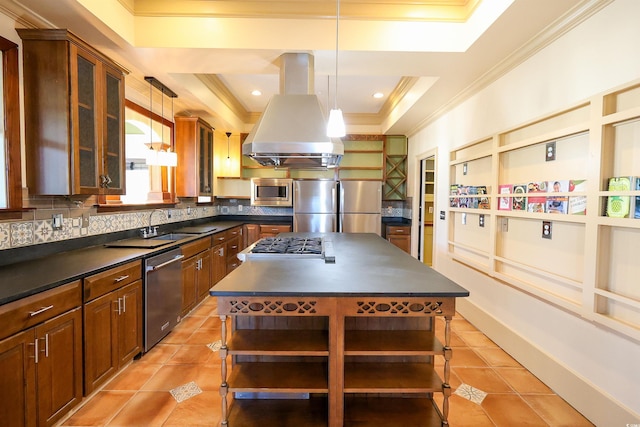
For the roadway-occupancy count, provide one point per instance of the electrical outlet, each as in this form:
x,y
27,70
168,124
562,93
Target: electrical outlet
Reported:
x,y
464,169
442,214
550,151
57,221
239,208
188,210
546,229
85,220
169,213
481,220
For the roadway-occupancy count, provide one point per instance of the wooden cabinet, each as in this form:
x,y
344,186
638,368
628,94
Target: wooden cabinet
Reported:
x,y
395,168
196,273
400,236
41,356
334,361
74,105
112,322
251,234
269,230
194,147
226,246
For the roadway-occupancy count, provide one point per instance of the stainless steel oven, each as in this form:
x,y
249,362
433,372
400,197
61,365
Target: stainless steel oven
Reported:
x,y
271,192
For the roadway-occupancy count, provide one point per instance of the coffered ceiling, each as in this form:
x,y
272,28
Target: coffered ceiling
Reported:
x,y
423,56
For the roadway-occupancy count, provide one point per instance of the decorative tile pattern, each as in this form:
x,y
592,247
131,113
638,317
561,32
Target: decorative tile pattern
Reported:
x,y
5,236
185,391
43,231
215,346
470,393
21,233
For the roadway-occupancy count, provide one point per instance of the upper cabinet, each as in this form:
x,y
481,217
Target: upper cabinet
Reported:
x,y
194,146
74,111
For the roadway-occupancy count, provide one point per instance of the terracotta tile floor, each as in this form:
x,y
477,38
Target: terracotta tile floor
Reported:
x,y
139,395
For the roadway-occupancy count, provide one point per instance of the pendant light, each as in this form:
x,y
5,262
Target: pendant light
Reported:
x,y
335,126
228,148
160,157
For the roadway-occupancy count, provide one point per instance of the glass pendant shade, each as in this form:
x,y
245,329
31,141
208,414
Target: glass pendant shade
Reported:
x,y
336,127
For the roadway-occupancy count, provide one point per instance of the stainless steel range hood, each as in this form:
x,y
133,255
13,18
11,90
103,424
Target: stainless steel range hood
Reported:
x,y
292,131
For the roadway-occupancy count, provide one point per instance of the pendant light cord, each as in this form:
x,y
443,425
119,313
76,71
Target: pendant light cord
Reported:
x,y
335,93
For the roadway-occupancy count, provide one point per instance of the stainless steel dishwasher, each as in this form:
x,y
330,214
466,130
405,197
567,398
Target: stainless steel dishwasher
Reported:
x,y
162,295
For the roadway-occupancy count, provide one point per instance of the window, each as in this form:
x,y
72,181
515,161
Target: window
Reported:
x,y
146,184
10,178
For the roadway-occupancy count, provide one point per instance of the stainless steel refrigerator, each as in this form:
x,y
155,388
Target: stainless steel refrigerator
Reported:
x,y
360,207
315,204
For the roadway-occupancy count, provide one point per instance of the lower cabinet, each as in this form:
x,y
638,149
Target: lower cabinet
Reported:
x,y
218,262
400,236
112,322
268,230
41,357
196,273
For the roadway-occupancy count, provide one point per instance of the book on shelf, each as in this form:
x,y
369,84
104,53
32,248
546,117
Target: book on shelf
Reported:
x,y
618,206
557,204
536,203
505,203
519,199
578,204
482,199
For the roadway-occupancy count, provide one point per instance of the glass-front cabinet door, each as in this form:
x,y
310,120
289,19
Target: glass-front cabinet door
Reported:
x,y
205,159
84,75
113,148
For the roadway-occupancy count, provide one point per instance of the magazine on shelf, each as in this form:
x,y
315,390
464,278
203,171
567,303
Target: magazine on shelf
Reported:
x,y
519,199
472,202
618,206
557,204
536,203
578,204
453,191
505,203
463,202
636,211
483,199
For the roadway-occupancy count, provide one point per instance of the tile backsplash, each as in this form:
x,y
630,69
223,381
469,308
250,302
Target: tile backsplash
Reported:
x,y
20,233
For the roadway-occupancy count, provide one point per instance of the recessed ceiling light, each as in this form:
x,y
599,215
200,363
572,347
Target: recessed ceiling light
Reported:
x,y
256,92
378,95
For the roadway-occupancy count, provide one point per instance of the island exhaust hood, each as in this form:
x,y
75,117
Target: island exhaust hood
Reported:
x,y
292,131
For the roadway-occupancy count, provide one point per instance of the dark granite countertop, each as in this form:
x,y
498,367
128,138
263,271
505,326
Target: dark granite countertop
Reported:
x,y
30,277
365,264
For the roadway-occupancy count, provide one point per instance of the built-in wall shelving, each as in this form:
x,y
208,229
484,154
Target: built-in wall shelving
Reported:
x,y
563,247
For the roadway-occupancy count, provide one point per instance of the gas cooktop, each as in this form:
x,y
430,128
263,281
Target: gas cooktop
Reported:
x,y
290,247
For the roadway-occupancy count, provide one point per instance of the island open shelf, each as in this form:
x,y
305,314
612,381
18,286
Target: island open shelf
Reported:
x,y
335,358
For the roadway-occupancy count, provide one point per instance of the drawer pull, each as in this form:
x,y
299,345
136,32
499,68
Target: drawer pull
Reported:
x,y
42,310
121,278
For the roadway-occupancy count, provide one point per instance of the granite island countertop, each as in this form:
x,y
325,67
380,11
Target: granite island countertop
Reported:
x,y
366,264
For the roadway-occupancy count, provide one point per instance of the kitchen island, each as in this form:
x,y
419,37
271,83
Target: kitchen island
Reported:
x,y
350,343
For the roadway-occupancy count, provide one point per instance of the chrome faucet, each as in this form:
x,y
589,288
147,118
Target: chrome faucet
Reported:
x,y
151,230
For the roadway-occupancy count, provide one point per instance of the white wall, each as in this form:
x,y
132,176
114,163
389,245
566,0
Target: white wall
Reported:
x,y
599,54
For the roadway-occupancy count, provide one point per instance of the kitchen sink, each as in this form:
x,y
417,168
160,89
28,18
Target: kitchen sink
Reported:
x,y
172,236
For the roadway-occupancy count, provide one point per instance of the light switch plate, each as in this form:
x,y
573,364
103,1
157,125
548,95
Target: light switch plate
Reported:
x,y
441,214
465,169
57,220
85,220
463,219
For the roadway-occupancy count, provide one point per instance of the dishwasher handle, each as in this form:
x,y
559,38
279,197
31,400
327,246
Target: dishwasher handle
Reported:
x,y
164,264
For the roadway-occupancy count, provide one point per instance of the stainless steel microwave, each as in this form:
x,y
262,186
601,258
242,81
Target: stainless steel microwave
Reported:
x,y
271,192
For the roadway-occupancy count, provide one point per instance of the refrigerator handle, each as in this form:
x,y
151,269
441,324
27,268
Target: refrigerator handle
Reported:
x,y
334,201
